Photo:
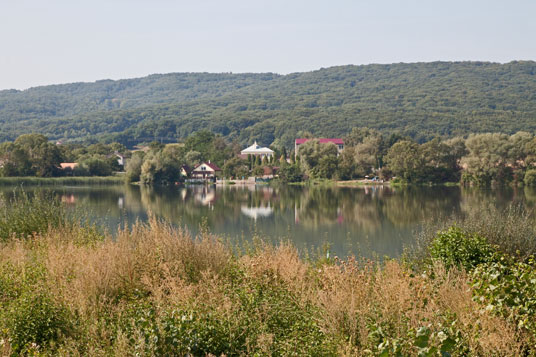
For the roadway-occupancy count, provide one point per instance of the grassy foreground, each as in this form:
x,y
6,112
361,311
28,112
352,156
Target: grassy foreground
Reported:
x,y
154,290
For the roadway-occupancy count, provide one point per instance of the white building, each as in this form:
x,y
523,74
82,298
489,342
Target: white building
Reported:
x,y
257,150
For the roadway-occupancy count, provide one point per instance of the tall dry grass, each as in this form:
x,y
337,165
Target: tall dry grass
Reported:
x,y
127,295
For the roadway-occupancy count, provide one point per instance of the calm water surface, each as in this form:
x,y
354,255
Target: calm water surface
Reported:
x,y
361,220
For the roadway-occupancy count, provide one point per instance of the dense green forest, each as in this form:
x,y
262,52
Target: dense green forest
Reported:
x,y
419,100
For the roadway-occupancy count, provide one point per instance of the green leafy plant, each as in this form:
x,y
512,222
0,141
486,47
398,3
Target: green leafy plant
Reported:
x,y
456,248
508,288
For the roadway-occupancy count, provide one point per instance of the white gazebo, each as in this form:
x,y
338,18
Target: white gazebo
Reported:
x,y
257,150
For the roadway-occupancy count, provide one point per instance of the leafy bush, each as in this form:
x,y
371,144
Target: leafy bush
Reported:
x,y
456,248
508,288
530,178
427,340
29,317
34,320
290,173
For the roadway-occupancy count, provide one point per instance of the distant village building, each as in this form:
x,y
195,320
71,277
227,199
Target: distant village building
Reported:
x,y
338,142
186,170
257,150
205,170
120,159
68,165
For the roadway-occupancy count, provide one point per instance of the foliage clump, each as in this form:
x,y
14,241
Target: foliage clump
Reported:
x,y
457,249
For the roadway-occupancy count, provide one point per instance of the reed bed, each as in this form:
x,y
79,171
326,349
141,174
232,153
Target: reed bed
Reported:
x,y
51,181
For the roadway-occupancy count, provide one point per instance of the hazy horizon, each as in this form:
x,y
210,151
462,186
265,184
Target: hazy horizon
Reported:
x,y
61,41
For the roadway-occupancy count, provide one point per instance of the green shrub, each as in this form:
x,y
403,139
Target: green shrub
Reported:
x,y
508,288
457,248
34,320
443,338
530,178
29,317
290,173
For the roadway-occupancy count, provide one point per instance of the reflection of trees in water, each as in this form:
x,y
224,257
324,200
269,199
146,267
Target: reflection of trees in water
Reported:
x,y
474,199
362,208
367,209
411,205
358,207
98,200
318,207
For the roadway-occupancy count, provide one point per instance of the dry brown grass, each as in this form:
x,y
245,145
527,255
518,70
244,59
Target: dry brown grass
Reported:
x,y
170,268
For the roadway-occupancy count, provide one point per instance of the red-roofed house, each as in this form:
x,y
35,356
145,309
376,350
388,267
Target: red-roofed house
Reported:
x,y
205,170
338,142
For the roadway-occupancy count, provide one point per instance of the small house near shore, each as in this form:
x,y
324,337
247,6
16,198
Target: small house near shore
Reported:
x,y
257,150
205,171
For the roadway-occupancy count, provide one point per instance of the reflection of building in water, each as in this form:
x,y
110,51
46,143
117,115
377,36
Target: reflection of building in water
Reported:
x,y
206,195
120,202
184,193
256,212
69,199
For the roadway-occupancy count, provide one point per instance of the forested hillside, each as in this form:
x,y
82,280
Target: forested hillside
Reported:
x,y
420,100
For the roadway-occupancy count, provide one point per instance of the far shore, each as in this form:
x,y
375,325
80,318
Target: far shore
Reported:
x,y
80,180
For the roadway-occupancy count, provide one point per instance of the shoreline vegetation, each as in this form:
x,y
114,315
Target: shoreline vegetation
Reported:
x,y
54,181
368,158
468,288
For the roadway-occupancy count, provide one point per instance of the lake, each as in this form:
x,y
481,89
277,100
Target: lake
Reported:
x,y
360,220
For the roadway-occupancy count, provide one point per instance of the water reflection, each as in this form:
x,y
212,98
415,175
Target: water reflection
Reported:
x,y
358,220
256,212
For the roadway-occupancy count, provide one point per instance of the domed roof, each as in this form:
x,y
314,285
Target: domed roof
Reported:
x,y
257,149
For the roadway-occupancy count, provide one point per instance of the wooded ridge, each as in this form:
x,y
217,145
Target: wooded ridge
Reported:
x,y
419,100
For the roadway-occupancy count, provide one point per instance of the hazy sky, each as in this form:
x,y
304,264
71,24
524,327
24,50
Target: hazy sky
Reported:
x,y
59,41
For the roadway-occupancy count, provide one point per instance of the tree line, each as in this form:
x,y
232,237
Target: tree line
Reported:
x,y
35,155
478,159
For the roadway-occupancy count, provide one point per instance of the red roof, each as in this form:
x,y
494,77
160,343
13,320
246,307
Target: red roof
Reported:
x,y
68,165
209,164
322,141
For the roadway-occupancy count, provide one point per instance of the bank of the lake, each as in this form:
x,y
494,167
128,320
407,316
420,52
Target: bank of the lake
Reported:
x,y
62,181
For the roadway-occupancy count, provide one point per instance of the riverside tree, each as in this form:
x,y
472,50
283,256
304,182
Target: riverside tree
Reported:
x,y
319,160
